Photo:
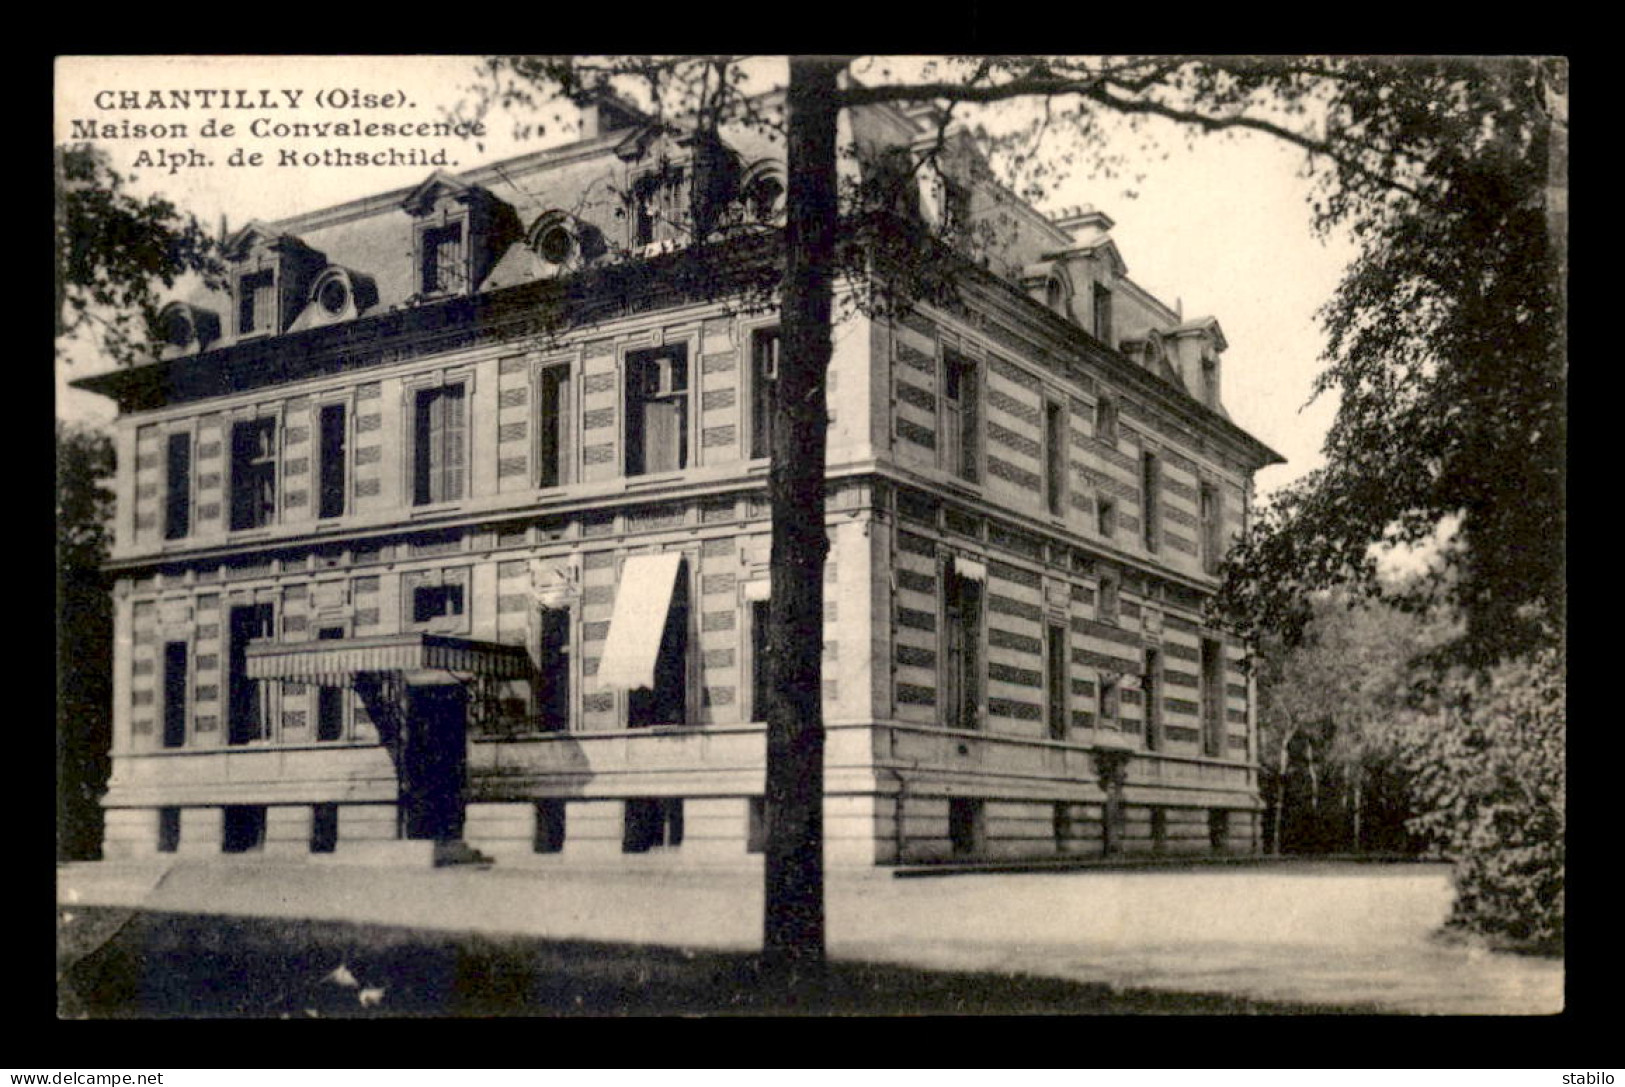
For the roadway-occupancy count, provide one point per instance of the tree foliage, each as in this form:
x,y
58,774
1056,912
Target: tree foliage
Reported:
x,y
113,250
84,511
1445,349
1490,777
1332,705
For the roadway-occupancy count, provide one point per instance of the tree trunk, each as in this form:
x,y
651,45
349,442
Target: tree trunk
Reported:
x,y
1359,846
1280,788
793,924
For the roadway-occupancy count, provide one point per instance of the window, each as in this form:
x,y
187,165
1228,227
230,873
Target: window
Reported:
x,y
553,697
169,830
1057,680
652,823
666,701
1054,295
437,600
659,198
178,493
1210,380
552,429
256,303
324,828
440,434
1218,829
1061,822
964,825
1055,457
329,700
174,694
1106,517
1150,504
657,410
1108,690
962,646
1159,829
1151,691
955,207
756,825
758,660
1212,698
249,709
1103,314
1106,605
443,266
330,502
764,373
549,827
961,427
1106,420
253,473
1211,533
243,830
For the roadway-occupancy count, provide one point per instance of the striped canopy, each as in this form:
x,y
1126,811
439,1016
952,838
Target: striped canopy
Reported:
x,y
334,663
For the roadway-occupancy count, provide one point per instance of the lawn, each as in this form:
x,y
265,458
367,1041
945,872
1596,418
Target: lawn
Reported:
x,y
120,963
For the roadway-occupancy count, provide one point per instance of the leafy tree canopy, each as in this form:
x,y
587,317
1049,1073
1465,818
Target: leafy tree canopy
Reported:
x,y
113,249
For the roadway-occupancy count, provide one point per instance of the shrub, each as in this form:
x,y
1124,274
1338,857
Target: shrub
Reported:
x,y
1489,781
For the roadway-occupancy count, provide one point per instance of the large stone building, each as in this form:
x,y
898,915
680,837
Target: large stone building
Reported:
x,y
447,522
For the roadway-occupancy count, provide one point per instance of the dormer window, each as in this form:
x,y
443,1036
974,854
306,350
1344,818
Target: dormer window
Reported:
x,y
956,204
184,328
256,303
1103,314
272,276
333,296
462,231
444,269
763,193
1054,294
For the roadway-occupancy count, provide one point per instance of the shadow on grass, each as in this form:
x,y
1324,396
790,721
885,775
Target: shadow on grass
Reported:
x,y
125,964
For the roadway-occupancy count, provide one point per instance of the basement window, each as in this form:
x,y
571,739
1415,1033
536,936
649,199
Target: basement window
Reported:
x,y
243,828
653,824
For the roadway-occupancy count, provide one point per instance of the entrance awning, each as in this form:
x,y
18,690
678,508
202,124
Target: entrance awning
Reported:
x,y
638,622
335,663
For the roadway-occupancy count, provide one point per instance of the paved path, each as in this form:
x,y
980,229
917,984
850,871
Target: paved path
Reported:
x,y
1303,932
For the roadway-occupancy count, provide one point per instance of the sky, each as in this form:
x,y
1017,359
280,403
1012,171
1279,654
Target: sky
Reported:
x,y
1220,225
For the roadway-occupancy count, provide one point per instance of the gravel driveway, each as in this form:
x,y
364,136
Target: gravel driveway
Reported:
x,y
1300,932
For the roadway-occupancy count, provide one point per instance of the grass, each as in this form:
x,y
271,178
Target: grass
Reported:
x,y
116,963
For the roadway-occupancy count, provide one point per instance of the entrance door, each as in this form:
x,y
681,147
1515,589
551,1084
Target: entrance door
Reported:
x,y
434,762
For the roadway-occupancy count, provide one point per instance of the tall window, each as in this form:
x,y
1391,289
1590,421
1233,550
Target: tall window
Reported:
x,y
256,303
758,660
554,693
440,434
1106,420
253,473
1210,532
178,488
1212,697
1055,456
1108,690
249,707
1105,516
442,256
666,703
329,700
553,426
549,827
962,649
1150,499
961,427
1151,692
1103,314
1056,678
764,373
964,825
174,694
657,410
1106,605
330,463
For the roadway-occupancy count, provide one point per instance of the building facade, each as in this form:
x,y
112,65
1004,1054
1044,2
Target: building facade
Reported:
x,y
444,529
